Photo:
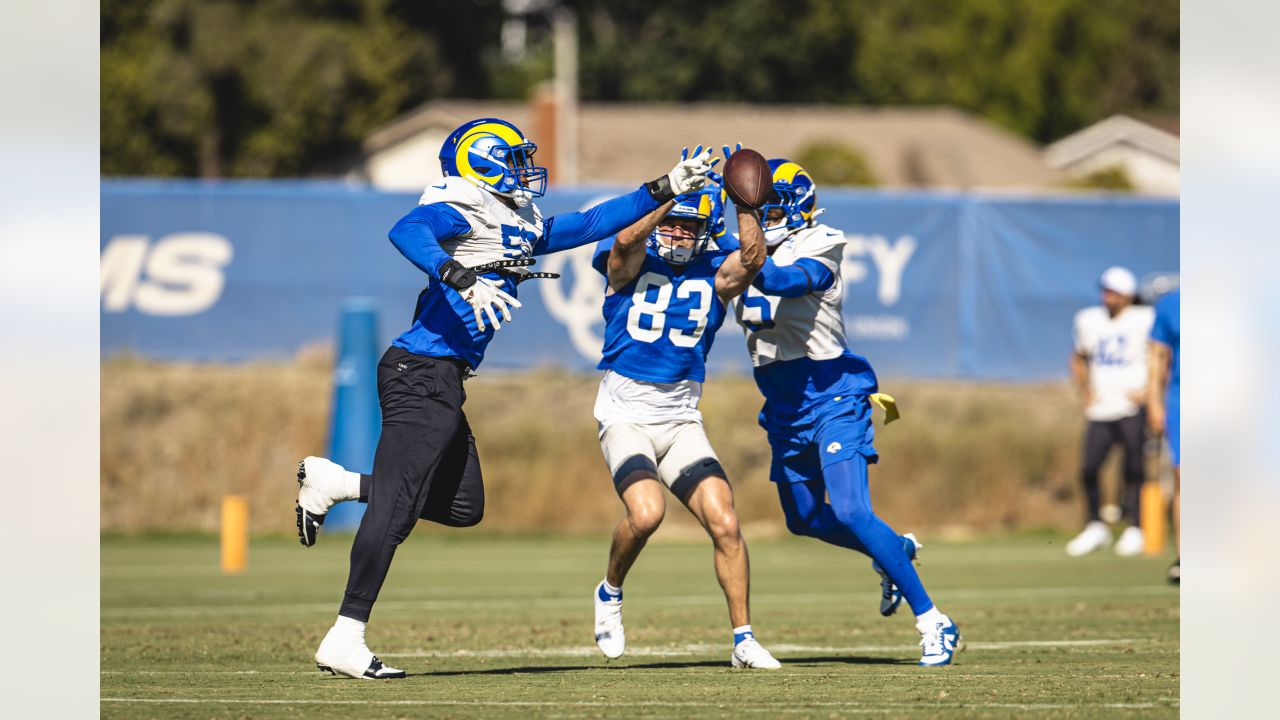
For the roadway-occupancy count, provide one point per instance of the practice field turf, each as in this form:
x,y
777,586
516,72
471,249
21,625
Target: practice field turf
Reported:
x,y
502,627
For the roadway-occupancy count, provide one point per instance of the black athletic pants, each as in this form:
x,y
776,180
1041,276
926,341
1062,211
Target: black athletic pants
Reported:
x,y
1099,438
425,466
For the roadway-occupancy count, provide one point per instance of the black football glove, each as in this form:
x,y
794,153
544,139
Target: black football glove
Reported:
x,y
456,275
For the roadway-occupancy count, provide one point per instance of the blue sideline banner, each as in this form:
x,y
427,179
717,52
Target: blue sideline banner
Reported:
x,y
941,285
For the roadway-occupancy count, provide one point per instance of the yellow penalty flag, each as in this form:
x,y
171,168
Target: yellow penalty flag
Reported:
x,y
885,402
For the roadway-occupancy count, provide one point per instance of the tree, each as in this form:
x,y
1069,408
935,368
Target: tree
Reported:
x,y
291,87
832,163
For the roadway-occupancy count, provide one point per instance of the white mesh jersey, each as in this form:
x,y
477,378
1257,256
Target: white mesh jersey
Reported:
x,y
497,231
1117,351
790,328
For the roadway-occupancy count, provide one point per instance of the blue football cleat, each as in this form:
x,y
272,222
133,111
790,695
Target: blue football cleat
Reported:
x,y
890,595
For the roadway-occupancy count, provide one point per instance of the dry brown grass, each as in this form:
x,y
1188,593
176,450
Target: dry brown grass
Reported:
x,y
177,437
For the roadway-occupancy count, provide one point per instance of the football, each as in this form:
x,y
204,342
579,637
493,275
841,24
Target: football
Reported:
x,y
747,178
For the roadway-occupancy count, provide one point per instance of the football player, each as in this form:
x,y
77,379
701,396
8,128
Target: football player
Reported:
x,y
1109,366
473,233
666,296
818,401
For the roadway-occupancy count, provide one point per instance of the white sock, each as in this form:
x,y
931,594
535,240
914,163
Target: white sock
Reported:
x,y
930,619
350,627
351,481
610,589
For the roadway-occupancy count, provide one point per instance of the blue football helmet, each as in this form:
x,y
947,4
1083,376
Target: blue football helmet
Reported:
x,y
795,195
497,157
706,208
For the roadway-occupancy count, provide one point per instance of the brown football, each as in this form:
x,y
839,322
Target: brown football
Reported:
x,y
747,178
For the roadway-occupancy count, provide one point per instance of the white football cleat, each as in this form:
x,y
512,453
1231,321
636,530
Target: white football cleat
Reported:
x,y
342,654
321,485
1095,536
939,642
751,654
1131,542
610,637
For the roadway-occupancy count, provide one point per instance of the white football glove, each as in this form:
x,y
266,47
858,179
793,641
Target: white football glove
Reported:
x,y
484,296
691,172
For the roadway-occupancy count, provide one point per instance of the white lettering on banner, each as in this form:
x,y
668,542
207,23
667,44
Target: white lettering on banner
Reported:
x,y
890,260
183,273
879,327
120,269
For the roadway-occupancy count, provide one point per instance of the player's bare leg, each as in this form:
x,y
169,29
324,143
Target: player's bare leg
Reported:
x,y
712,503
646,507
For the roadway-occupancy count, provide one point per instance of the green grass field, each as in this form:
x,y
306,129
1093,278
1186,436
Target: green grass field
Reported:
x,y
502,626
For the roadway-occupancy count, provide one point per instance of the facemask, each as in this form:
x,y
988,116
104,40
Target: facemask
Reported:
x,y
675,255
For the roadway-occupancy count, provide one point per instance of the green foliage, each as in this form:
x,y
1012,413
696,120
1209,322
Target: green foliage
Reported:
x,y
287,87
1110,178
1042,68
229,87
832,163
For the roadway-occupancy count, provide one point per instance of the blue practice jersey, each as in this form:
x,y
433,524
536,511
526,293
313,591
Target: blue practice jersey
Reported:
x,y
659,328
1168,330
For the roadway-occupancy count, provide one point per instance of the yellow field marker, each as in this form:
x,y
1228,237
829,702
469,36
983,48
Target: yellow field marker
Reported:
x,y
235,533
1154,529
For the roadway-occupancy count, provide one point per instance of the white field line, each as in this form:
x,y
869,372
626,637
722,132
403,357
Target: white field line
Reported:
x,y
708,648
516,603
691,649
775,707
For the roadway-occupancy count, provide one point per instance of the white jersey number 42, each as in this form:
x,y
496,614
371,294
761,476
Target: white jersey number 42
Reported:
x,y
656,309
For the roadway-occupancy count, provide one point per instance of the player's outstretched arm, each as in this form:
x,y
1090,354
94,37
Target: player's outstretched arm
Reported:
x,y
627,254
571,230
740,268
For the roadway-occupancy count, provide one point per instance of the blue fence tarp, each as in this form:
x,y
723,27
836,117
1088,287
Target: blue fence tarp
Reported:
x,y
945,285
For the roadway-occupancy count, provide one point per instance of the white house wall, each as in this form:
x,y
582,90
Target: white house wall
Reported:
x,y
1149,173
409,165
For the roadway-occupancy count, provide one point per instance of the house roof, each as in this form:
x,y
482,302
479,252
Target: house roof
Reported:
x,y
904,146
1115,130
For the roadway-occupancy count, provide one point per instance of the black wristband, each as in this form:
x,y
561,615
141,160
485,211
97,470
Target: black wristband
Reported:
x,y
456,275
660,189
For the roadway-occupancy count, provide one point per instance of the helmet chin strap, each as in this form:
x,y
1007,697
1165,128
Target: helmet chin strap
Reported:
x,y
775,236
